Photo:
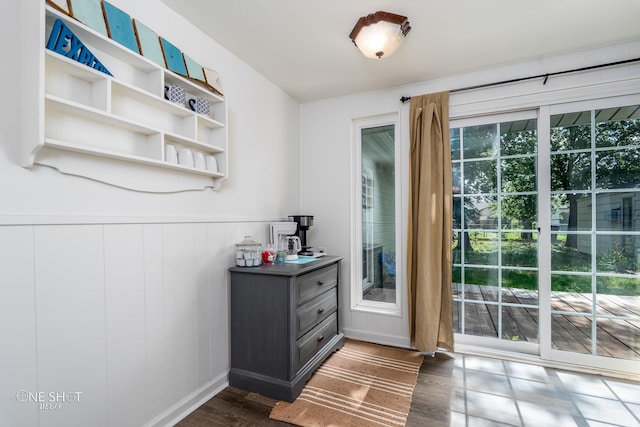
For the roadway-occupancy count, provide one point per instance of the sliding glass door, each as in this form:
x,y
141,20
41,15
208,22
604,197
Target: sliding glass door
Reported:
x,y
549,262
495,247
595,256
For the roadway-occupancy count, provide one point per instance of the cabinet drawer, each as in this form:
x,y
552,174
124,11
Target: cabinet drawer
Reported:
x,y
314,311
316,283
313,341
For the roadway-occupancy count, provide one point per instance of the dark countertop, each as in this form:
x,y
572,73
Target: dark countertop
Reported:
x,y
288,269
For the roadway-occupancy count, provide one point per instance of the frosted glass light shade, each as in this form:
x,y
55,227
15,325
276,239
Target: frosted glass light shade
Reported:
x,y
379,34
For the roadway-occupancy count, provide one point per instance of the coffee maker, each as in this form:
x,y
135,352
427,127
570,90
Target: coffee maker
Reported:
x,y
303,223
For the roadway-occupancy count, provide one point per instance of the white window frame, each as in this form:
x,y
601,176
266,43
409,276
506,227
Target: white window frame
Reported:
x,y
358,303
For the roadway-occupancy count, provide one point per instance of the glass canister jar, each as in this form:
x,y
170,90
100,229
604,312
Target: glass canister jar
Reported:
x,y
248,253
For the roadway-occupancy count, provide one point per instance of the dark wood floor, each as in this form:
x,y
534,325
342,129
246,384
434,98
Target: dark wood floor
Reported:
x,y
466,390
235,407
452,389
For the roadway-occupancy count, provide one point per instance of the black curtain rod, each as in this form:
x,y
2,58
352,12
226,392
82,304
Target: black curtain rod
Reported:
x,y
546,77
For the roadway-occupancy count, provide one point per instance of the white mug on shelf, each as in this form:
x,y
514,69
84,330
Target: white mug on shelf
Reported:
x,y
212,163
198,160
185,157
170,154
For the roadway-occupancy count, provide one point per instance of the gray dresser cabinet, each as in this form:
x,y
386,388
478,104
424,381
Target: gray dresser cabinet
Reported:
x,y
284,324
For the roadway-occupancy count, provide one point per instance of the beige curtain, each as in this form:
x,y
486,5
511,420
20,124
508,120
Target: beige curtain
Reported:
x,y
429,225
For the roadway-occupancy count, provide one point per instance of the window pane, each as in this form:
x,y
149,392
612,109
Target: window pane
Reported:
x,y
481,249
514,295
618,168
519,212
455,177
378,214
571,171
618,338
571,212
618,126
457,317
571,131
457,213
480,141
518,175
520,279
480,212
616,253
481,319
571,252
519,249
623,287
569,284
518,137
454,134
519,324
456,279
571,333
483,277
480,177
617,211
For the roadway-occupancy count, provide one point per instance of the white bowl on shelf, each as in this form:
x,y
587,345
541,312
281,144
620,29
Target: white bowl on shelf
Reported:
x,y
185,157
212,163
170,154
198,160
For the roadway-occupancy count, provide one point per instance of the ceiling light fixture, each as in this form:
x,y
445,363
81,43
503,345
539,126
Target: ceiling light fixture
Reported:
x,y
379,34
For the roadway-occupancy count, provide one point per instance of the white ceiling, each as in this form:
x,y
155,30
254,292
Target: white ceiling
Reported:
x,y
304,48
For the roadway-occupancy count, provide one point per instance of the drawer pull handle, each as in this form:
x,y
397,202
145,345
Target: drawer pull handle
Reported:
x,y
320,310
320,282
320,338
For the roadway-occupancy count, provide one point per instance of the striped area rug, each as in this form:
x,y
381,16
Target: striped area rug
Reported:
x,y
361,384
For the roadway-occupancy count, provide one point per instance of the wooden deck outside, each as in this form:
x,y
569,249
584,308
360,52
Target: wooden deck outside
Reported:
x,y
615,337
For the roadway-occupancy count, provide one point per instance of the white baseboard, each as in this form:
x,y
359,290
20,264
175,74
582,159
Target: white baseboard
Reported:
x,y
377,338
180,410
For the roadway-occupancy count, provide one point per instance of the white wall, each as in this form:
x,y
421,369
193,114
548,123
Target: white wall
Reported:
x,y
122,295
328,139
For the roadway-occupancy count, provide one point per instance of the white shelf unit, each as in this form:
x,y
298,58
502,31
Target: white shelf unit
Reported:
x,y
114,129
